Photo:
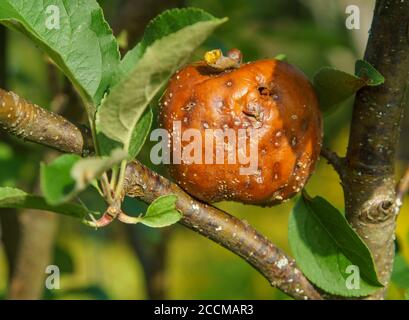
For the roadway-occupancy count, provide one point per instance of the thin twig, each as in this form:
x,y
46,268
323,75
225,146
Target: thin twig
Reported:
x,y
333,159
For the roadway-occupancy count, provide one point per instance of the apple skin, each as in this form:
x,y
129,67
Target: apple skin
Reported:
x,y
269,95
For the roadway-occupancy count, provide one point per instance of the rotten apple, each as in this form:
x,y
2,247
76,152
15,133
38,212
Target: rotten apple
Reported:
x,y
270,100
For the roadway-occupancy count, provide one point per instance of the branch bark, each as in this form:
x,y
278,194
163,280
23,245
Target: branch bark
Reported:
x,y
33,244
235,235
30,122
369,182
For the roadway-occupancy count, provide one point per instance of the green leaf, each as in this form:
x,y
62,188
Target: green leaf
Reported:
x,y
162,212
56,180
367,72
281,57
83,46
138,139
120,112
400,274
15,198
140,133
70,174
334,86
324,246
406,294
168,22
127,63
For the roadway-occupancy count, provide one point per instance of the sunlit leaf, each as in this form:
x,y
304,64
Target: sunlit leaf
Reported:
x,y
325,246
74,34
367,72
281,57
162,212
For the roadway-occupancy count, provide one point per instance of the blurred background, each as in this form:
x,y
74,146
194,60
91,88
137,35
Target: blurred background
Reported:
x,y
135,262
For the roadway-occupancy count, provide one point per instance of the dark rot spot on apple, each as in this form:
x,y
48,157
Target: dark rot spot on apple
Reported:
x,y
304,125
189,106
264,91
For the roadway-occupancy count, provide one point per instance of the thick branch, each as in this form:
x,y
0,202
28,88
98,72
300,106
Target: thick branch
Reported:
x,y
236,235
369,183
33,245
30,122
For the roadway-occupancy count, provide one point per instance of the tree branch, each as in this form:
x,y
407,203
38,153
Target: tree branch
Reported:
x,y
369,182
235,235
33,245
30,122
333,159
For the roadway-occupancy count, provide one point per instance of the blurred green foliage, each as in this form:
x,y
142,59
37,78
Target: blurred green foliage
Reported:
x,y
101,264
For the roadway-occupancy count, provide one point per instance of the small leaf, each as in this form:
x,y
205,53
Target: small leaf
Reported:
x,y
70,174
367,72
281,57
334,86
82,44
140,133
324,246
400,274
168,22
120,112
162,212
15,198
56,180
